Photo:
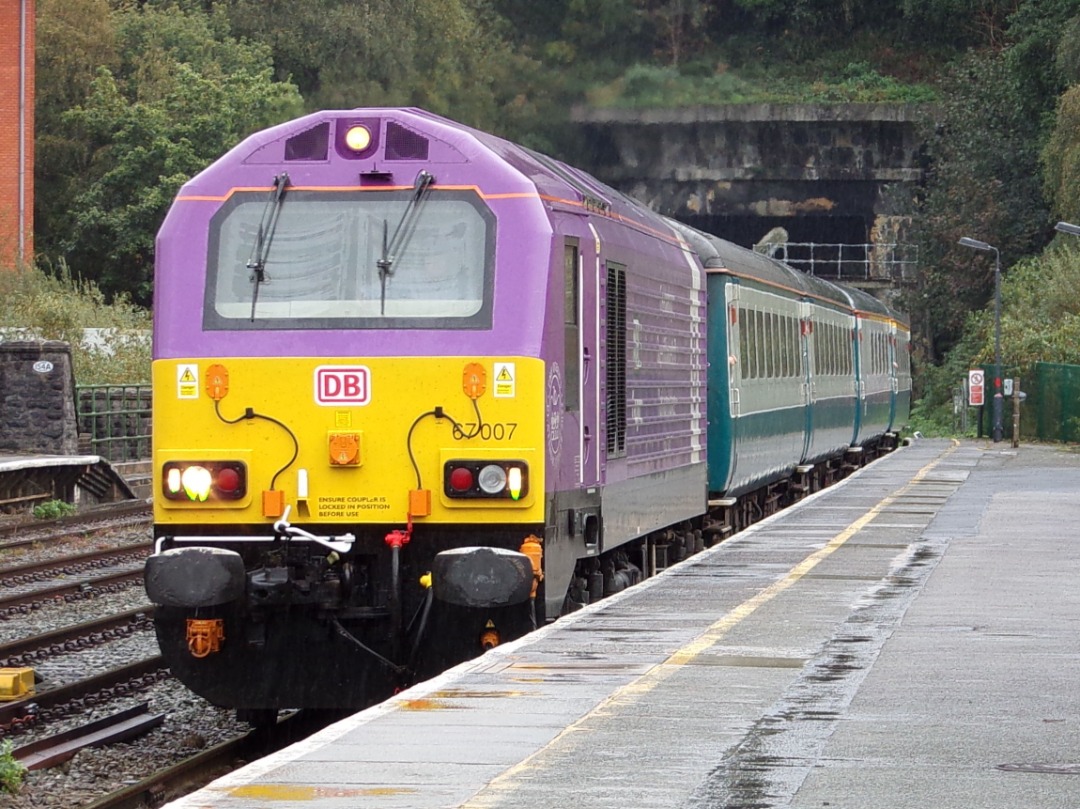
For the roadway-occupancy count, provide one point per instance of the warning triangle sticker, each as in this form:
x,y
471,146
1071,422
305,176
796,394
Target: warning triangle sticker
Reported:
x,y
504,375
187,376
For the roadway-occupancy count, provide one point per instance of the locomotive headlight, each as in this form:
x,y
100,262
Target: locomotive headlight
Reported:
x,y
196,481
492,479
476,479
202,481
358,138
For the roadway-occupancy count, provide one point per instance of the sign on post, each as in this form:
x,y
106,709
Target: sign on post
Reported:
x,y
976,388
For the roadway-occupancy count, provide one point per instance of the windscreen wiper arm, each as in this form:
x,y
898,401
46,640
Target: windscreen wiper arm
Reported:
x,y
267,226
404,229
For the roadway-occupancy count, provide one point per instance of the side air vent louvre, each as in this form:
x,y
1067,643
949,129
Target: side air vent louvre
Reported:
x,y
404,144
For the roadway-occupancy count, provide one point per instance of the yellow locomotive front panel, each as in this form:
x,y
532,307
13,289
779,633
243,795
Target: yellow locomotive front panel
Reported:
x,y
345,443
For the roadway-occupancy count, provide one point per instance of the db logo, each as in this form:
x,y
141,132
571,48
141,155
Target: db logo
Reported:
x,y
342,385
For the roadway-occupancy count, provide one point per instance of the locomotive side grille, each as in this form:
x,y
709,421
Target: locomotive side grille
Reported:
x,y
616,361
404,144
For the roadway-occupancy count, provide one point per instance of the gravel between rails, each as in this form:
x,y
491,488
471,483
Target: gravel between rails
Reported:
x,y
190,725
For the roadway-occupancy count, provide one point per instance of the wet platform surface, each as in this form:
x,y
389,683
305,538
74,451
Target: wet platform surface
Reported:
x,y
907,638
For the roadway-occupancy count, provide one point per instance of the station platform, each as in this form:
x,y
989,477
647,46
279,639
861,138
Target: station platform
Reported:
x,y
909,637
28,479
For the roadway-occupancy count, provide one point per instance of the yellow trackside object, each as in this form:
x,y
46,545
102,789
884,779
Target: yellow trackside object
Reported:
x,y
204,636
16,683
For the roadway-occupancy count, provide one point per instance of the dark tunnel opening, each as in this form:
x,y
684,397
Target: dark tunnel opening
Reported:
x,y
833,247
747,230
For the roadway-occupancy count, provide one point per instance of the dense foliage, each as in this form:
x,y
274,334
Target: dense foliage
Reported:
x,y
134,96
36,305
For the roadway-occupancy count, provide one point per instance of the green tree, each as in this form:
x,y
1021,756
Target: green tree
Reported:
x,y
182,93
983,182
1061,158
448,56
74,38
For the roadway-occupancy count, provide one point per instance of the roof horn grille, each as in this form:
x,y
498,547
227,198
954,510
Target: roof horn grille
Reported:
x,y
404,144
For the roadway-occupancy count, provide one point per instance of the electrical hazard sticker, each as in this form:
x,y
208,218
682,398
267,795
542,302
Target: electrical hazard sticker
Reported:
x,y
187,381
504,380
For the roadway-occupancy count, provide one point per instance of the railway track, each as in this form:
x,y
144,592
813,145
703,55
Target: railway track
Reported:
x,y
35,648
81,621
23,533
73,564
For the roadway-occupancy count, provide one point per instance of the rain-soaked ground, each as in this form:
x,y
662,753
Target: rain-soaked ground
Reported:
x,y
907,638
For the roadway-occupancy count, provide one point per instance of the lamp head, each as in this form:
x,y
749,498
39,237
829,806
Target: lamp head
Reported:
x,y
975,243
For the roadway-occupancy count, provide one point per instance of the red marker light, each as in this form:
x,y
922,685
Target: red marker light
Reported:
x,y
227,481
461,479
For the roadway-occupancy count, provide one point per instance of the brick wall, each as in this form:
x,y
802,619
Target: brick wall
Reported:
x,y
14,14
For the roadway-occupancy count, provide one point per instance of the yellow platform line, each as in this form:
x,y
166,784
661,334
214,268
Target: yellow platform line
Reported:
x,y
709,638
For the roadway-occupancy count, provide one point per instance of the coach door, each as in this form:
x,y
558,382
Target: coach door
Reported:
x,y
806,331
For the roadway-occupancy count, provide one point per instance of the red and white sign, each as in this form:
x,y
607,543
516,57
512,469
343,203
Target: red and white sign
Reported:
x,y
342,385
976,388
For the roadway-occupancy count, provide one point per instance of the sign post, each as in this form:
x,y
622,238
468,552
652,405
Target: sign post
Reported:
x,y
976,387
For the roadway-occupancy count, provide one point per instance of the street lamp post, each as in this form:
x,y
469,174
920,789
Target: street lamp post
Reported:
x,y
998,395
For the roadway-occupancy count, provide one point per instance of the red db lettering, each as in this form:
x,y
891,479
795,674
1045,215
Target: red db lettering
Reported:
x,y
342,385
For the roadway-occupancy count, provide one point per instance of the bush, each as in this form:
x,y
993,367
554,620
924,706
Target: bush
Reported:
x,y
53,510
39,305
11,771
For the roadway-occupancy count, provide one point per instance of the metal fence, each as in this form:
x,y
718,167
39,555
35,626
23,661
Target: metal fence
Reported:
x,y
1057,401
116,418
892,262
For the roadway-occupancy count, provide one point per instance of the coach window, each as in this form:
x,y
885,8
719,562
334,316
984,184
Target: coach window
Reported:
x,y
572,348
774,346
757,359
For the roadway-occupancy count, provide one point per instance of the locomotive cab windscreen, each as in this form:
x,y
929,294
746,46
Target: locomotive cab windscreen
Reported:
x,y
378,259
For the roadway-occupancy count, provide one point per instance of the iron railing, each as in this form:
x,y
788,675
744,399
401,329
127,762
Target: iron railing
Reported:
x,y
894,262
116,418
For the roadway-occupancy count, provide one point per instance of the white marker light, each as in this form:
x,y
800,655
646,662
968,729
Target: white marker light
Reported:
x,y
513,482
492,479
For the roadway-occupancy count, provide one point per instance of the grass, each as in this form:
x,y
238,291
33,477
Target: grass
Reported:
x,y
35,305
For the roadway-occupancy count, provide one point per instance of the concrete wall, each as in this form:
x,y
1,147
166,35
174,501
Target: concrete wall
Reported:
x,y
37,398
759,160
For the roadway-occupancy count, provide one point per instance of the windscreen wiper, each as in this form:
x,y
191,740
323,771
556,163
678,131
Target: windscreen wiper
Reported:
x,y
402,232
267,226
